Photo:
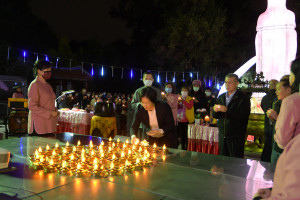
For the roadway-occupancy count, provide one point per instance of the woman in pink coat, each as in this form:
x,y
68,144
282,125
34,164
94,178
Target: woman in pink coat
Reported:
x,y
41,101
287,174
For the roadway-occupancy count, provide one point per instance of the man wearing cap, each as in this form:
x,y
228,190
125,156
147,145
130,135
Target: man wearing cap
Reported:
x,y
18,92
198,95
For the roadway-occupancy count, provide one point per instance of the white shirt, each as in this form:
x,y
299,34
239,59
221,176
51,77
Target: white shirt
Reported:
x,y
153,120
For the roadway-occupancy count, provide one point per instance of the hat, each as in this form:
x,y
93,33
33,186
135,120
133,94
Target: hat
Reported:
x,y
16,87
198,82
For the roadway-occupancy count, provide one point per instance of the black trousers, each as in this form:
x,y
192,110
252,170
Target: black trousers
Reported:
x,y
232,147
182,131
267,151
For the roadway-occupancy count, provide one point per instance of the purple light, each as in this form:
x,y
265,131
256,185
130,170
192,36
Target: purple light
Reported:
x,y
24,55
191,75
102,71
158,78
46,58
92,71
131,73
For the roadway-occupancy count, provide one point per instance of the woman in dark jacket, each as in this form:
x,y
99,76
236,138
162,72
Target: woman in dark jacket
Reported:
x,y
157,119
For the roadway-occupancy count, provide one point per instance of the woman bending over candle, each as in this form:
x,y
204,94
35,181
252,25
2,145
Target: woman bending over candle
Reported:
x,y
157,119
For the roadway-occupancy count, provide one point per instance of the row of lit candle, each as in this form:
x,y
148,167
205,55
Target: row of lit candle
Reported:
x,y
103,160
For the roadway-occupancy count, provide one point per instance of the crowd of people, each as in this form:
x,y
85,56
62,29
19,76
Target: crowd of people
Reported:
x,y
156,114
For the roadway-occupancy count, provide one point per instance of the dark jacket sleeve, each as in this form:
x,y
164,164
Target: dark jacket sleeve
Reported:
x,y
136,122
217,115
167,116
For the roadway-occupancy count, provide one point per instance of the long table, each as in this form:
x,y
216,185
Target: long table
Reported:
x,y
183,175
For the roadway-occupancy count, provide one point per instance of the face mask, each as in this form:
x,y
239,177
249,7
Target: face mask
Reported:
x,y
88,95
184,94
148,83
196,89
168,90
208,94
47,75
96,96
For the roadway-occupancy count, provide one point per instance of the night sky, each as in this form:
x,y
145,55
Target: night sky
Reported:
x,y
80,20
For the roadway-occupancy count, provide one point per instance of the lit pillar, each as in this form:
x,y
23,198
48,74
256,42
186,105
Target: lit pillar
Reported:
x,y
276,40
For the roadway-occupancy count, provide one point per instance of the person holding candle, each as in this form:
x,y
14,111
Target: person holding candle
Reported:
x,y
232,111
157,118
185,115
171,98
211,100
41,101
200,100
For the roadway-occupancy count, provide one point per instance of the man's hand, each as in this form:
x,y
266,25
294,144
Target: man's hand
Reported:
x,y
220,108
272,114
134,140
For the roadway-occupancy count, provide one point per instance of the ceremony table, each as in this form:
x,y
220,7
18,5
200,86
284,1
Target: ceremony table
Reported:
x,y
74,121
203,139
180,175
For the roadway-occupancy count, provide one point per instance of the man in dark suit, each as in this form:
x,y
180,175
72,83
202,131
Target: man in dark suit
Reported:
x,y
232,111
266,104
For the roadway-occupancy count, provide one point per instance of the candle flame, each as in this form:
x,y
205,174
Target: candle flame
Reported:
x,y
126,163
74,148
109,148
124,146
95,160
145,158
133,147
102,143
40,149
47,147
64,164
82,151
154,146
113,144
72,157
65,151
36,152
137,142
164,147
78,166
112,165
137,161
51,162
83,159
95,166
37,156
109,139
122,154
140,149
127,141
113,156
129,151
53,153
56,145
102,155
78,143
67,144
118,140
42,159
93,152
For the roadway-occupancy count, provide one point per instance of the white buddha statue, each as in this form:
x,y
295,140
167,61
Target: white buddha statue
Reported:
x,y
276,40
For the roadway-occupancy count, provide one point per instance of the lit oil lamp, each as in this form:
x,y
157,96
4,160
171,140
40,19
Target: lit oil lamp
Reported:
x,y
95,171
118,140
55,157
72,162
146,162
64,168
154,148
74,149
92,153
64,155
124,146
79,146
127,168
109,140
113,145
78,171
207,119
113,158
91,144
129,153
41,153
164,150
133,147
50,168
138,164
111,171
48,151
57,148
39,164
69,149
102,143
122,155
127,142
140,150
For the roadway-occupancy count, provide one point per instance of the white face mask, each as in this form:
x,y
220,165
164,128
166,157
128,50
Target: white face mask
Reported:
x,y
196,89
184,93
148,83
208,94
168,90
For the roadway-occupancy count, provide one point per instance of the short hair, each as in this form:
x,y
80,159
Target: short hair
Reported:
x,y
208,88
147,73
285,82
231,75
185,87
295,68
41,65
150,93
173,86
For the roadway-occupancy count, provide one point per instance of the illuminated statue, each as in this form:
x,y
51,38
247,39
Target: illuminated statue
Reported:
x,y
276,40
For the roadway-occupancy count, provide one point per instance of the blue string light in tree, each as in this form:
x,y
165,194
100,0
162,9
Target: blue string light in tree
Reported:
x,y
158,78
46,58
102,71
92,72
24,55
131,74
174,77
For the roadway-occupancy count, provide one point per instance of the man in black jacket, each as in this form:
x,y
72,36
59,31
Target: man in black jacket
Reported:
x,y
266,104
232,111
